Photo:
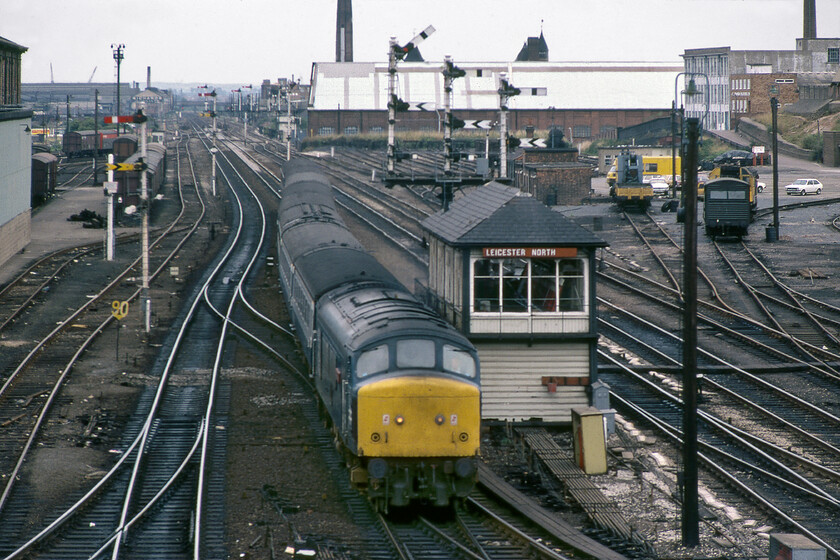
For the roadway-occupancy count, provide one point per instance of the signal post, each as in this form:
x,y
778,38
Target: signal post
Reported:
x,y
140,118
213,150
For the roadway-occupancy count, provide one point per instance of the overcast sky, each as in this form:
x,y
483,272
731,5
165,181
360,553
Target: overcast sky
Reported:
x,y
246,41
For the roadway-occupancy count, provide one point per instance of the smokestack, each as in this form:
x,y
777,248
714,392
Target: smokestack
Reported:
x,y
809,25
344,32
148,77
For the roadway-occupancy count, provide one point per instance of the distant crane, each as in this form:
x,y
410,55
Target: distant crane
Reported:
x,y
92,73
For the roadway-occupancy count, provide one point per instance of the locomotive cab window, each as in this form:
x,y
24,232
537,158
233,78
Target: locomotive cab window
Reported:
x,y
458,360
373,361
528,285
417,353
740,194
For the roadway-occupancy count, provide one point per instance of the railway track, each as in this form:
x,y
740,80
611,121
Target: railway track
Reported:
x,y
768,413
419,532
168,435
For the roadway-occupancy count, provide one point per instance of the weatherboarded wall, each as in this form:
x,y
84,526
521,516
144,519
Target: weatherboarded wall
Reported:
x,y
514,379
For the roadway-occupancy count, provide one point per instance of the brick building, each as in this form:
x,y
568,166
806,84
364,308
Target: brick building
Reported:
x,y
552,175
807,80
588,100
10,56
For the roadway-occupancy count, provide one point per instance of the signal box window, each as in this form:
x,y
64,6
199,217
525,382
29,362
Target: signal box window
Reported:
x,y
486,285
528,285
514,285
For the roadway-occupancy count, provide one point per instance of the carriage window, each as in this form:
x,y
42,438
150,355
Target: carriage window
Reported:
x,y
457,360
372,361
715,195
416,353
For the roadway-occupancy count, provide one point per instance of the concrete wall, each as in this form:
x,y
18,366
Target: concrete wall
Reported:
x,y
760,135
15,235
15,180
831,148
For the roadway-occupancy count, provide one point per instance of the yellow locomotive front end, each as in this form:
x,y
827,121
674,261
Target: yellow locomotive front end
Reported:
x,y
418,438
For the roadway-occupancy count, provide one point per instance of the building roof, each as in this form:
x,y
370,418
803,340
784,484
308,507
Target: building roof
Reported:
x,y
5,44
495,214
544,85
535,48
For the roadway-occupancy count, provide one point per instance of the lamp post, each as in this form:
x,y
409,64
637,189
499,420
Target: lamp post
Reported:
x,y
690,494
774,109
690,91
674,148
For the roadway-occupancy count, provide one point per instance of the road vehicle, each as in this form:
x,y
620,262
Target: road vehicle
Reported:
x,y
804,186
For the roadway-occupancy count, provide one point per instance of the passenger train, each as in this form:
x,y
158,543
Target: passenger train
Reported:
x,y
400,384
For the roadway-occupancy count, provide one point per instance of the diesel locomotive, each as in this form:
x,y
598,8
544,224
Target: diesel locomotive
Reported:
x,y
400,384
630,188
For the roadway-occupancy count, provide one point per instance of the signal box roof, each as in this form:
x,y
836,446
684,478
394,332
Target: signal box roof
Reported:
x,y
495,214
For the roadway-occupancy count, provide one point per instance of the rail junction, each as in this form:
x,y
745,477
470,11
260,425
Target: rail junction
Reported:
x,y
169,430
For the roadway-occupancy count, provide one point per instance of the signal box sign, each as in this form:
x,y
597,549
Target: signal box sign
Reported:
x,y
529,252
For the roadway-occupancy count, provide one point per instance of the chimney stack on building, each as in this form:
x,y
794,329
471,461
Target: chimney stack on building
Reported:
x,y
148,77
809,27
344,32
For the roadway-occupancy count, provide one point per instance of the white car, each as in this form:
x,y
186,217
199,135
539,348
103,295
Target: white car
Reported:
x,y
804,186
660,188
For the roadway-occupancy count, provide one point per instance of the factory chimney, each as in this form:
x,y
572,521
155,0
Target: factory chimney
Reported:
x,y
344,32
148,77
809,26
